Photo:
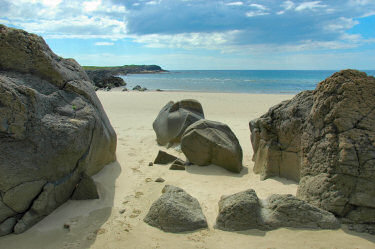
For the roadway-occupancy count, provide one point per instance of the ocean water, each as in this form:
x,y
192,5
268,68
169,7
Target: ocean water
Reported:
x,y
235,81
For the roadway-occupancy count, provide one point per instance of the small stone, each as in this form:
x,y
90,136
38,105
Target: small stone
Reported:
x,y
150,164
122,211
177,167
159,179
67,226
164,158
148,179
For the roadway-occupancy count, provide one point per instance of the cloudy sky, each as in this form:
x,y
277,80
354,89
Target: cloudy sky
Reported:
x,y
204,34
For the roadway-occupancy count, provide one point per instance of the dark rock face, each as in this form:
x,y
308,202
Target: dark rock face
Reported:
x,y
53,128
176,211
334,142
174,118
164,158
139,88
208,142
109,82
242,211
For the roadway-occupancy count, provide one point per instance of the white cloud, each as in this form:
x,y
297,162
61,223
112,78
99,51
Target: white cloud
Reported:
x,y
153,2
104,44
310,6
90,6
342,24
258,6
185,40
256,13
234,4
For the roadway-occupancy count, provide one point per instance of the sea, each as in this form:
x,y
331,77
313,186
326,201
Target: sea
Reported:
x,y
232,81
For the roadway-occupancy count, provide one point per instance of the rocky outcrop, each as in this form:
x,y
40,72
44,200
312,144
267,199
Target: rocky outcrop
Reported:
x,y
208,142
176,211
243,210
276,138
53,129
333,138
107,77
108,82
174,118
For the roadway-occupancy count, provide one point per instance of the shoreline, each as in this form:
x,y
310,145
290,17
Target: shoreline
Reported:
x,y
118,89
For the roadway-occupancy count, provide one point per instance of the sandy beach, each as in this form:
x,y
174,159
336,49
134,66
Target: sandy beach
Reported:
x,y
127,188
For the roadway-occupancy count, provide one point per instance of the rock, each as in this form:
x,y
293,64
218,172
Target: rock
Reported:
x,y
240,211
53,128
208,142
5,211
243,210
276,138
86,189
122,211
164,158
159,179
124,89
20,197
333,140
150,164
7,226
139,88
174,118
176,211
289,211
177,167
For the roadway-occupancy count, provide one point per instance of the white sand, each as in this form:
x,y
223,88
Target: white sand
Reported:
x,y
124,185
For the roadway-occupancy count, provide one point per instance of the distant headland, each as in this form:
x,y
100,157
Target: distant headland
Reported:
x,y
107,76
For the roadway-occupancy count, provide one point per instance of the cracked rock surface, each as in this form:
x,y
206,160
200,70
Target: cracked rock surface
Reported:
x,y
53,129
325,139
243,210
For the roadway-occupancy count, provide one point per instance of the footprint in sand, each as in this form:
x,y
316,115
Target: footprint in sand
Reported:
x,y
135,213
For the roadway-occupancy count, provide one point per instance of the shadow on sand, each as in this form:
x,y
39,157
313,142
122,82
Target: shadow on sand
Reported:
x,y
214,170
84,218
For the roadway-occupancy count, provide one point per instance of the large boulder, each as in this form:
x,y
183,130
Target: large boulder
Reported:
x,y
208,142
334,137
240,211
276,138
53,129
174,118
243,210
176,211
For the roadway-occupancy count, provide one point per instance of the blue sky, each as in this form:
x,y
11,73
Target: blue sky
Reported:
x,y
203,34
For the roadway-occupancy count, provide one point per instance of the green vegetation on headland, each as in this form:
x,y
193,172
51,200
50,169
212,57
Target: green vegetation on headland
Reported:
x,y
106,77
128,69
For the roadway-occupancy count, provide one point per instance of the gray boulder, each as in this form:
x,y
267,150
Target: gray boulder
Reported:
x,y
243,210
240,211
289,211
333,145
174,118
208,142
176,211
53,128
